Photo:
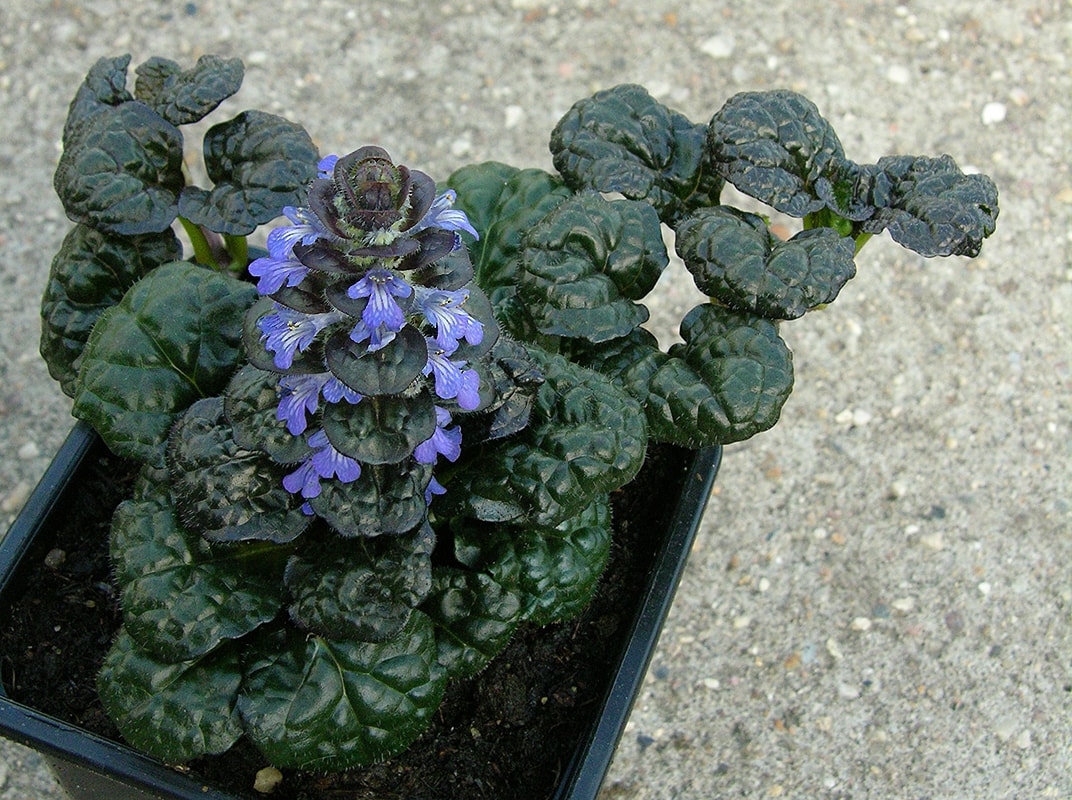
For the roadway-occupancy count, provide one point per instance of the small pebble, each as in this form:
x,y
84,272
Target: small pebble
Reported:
x,y
847,692
994,113
711,683
513,116
898,74
834,649
16,498
984,588
903,604
742,621
932,541
861,624
55,558
719,46
267,780
29,451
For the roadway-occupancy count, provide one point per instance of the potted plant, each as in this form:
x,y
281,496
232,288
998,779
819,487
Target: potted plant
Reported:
x,y
371,453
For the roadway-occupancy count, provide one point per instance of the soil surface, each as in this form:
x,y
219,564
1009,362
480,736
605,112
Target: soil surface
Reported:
x,y
508,732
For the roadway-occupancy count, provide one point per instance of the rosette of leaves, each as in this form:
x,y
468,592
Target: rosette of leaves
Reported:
x,y
277,568
122,182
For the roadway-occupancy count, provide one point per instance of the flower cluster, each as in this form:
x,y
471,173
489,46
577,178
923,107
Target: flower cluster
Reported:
x,y
370,281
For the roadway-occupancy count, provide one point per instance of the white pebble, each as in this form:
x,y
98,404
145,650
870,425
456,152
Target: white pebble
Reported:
x,y
994,113
932,541
721,46
1023,741
742,621
459,147
984,588
860,417
711,683
834,649
764,584
847,692
513,116
903,604
29,451
16,498
861,624
898,74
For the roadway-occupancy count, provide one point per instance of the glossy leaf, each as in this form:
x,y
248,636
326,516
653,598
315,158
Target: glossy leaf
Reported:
x,y
389,370
380,430
725,383
174,338
258,163
317,704
503,203
586,437
585,262
475,617
363,589
121,171
774,146
250,404
105,86
225,492
623,140
186,96
734,258
90,274
182,597
175,712
933,208
385,499
553,571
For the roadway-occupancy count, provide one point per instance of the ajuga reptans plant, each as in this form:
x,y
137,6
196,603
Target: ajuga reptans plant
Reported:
x,y
371,451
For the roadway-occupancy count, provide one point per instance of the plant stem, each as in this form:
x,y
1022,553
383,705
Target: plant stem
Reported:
x,y
202,249
238,247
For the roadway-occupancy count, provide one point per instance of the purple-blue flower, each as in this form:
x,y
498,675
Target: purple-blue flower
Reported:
x,y
452,380
327,462
443,309
286,331
442,214
326,167
280,266
434,487
382,317
301,395
444,441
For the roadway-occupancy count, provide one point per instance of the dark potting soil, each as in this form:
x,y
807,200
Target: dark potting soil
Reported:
x,y
507,733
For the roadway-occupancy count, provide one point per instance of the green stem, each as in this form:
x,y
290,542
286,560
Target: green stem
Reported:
x,y
202,250
238,247
861,240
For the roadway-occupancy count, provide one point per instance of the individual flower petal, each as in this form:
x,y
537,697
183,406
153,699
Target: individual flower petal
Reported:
x,y
326,167
443,215
330,463
303,480
434,488
336,391
443,309
444,441
286,332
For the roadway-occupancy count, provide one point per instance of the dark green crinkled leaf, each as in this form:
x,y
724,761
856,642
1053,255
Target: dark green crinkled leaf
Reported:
x,y
585,262
380,430
554,571
90,274
175,712
725,383
387,498
121,171
586,437
503,203
623,140
182,597
174,338
933,208
474,617
185,96
363,589
250,404
774,146
105,85
509,375
389,370
734,258
258,163
223,491
323,705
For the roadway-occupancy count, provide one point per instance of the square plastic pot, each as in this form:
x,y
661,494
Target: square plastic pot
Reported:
x,y
90,767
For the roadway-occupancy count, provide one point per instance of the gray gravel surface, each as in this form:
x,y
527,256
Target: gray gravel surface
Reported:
x,y
880,601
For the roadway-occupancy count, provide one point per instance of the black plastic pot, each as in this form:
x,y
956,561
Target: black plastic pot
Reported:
x,y
90,767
